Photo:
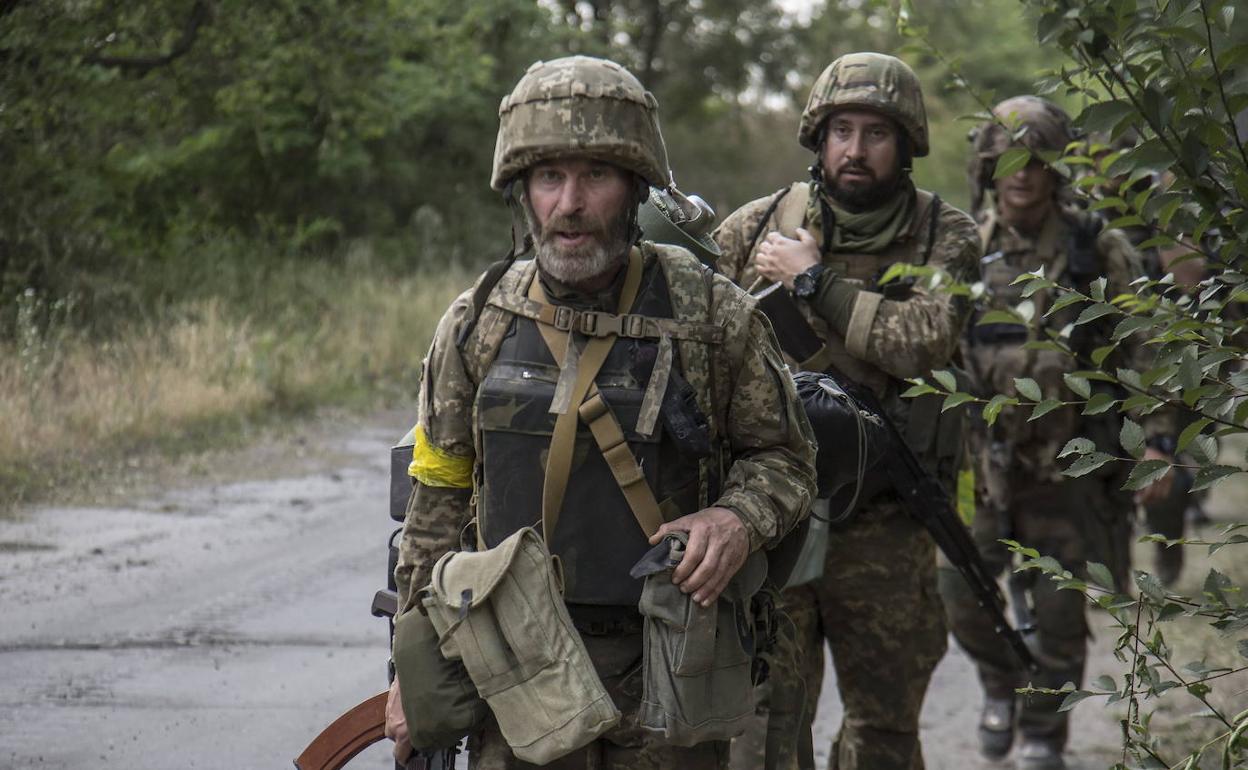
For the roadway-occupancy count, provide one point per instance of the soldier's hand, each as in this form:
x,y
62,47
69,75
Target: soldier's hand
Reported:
x,y
718,545
1160,489
780,259
396,724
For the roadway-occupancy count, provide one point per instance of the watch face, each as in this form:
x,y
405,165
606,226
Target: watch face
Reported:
x,y
804,284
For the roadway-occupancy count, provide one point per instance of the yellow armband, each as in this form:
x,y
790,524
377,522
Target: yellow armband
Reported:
x,y
435,467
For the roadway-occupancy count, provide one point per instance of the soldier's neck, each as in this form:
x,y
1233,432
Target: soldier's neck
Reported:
x,y
1025,221
599,291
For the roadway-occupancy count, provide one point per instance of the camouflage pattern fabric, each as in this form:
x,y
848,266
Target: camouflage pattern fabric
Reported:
x,y
1021,493
876,604
872,81
768,451
584,106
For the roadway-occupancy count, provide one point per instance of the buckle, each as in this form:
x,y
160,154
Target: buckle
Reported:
x,y
633,326
595,323
565,317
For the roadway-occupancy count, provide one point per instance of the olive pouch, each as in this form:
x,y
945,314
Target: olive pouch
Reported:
x,y
440,702
697,661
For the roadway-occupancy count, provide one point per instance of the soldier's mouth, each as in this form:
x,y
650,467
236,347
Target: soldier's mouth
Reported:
x,y
569,239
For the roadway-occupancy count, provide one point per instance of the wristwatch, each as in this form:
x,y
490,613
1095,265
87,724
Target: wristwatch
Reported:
x,y
806,282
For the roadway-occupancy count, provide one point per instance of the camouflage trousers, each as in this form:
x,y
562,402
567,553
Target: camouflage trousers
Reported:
x,y
878,610
1052,518
617,658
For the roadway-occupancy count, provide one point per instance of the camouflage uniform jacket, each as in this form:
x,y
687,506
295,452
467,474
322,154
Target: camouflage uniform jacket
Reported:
x,y
766,446
889,339
995,363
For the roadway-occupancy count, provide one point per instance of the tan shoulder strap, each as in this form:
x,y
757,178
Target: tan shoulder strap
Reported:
x,y
791,211
591,408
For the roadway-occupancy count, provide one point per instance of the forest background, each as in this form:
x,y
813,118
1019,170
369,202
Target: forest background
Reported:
x,y
217,214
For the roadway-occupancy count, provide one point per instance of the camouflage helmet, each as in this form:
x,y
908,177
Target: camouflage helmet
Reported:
x,y
579,105
1044,127
1030,121
872,81
669,216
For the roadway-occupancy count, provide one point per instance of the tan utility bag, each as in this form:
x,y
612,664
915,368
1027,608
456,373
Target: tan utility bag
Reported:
x,y
501,612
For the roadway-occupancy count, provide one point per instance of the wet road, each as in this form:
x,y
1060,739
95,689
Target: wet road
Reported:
x,y
223,625
218,627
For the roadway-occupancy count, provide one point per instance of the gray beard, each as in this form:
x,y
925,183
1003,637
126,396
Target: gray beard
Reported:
x,y
606,249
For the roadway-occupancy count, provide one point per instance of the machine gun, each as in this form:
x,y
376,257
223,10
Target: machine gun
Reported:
x,y
364,724
921,494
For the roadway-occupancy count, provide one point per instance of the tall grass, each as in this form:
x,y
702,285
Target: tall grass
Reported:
x,y
327,334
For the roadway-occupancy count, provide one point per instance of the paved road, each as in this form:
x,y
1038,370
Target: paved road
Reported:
x,y
223,624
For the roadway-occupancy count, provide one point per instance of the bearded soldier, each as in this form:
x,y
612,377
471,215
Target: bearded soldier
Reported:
x,y
1021,492
729,463
829,241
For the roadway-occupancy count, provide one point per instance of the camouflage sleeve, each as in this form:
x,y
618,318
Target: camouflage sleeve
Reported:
x,y
770,481
1122,266
438,508
910,337
733,238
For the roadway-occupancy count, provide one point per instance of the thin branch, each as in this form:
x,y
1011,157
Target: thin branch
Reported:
x,y
1217,74
144,64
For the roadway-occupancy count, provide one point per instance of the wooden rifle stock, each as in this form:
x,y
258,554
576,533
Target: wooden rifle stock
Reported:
x,y
346,736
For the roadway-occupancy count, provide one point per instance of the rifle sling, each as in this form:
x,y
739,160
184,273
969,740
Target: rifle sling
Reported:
x,y
602,423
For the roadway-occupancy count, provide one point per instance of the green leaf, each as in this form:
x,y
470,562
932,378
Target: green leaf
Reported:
x,y
1100,354
1079,385
1104,681
1011,161
946,379
919,389
1065,301
1098,310
955,400
1027,388
1191,431
1101,576
1210,475
1073,698
1130,325
1100,402
1097,289
1105,116
1043,408
1086,464
1151,586
1001,317
1132,438
1145,473
1077,446
994,406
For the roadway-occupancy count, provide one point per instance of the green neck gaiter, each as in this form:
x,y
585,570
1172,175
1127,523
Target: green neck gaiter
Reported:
x,y
865,232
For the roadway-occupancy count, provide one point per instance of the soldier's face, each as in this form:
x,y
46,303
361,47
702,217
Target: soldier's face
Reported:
x,y
578,213
1028,189
861,159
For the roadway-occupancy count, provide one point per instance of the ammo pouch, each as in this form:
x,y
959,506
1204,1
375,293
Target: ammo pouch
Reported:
x,y
500,611
439,700
937,436
696,660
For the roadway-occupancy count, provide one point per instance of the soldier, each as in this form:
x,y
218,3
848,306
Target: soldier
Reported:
x,y
578,145
829,241
1021,492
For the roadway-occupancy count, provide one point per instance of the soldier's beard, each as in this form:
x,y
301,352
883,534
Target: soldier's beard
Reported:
x,y
606,247
862,196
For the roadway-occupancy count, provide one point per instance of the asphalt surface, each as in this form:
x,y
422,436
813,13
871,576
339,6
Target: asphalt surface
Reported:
x,y
223,623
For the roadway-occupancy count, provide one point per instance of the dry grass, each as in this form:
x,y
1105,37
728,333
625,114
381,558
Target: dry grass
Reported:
x,y
68,404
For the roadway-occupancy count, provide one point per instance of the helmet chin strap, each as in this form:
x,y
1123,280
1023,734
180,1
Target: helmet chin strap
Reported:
x,y
521,237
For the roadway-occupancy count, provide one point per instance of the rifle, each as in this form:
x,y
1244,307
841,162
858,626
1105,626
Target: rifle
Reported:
x,y
365,723
921,494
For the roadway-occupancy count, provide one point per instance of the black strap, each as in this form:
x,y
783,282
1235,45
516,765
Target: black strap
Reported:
x,y
492,276
932,221
762,223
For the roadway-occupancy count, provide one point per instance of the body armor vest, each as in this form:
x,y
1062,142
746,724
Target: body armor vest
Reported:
x,y
597,536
